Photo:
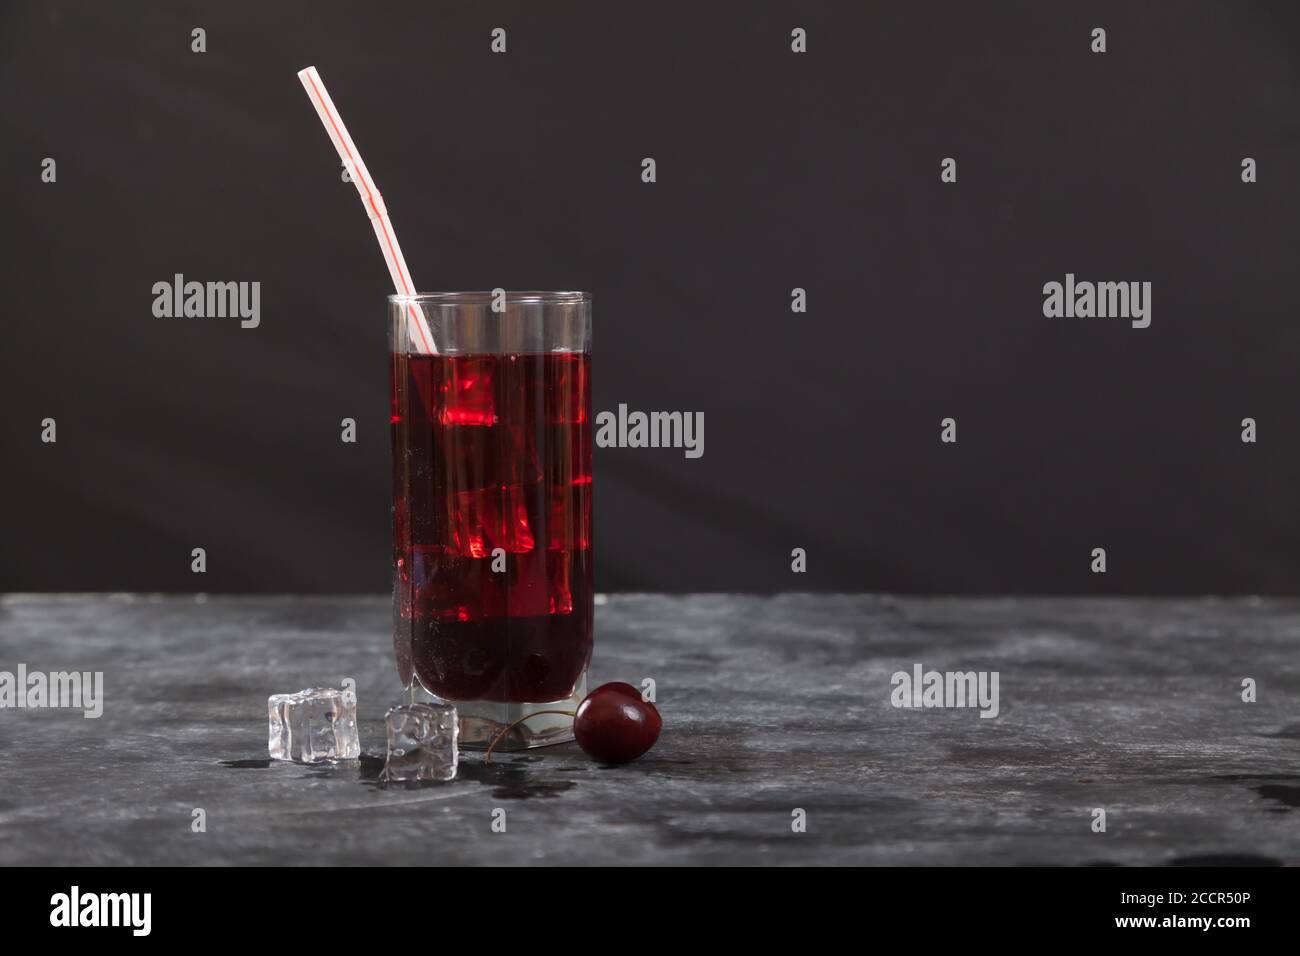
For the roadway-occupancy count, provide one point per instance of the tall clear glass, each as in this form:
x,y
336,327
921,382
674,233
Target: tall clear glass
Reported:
x,y
493,598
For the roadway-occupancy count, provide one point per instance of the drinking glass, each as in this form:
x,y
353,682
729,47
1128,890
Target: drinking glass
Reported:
x,y
493,599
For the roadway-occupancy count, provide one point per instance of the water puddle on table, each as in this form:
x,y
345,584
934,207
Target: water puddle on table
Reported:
x,y
510,777
511,780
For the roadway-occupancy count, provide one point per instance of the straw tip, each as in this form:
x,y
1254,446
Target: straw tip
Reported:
x,y
306,72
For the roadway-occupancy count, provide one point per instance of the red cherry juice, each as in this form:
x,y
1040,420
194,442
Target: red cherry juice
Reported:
x,y
492,523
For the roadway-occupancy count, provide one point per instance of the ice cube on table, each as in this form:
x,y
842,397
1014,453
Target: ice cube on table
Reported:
x,y
313,725
422,740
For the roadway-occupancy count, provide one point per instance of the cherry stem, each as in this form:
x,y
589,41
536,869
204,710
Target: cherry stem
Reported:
x,y
487,757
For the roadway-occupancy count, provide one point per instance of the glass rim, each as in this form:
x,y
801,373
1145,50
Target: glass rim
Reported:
x,y
531,297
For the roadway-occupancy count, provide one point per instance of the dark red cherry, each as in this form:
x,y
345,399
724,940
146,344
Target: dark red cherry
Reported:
x,y
614,725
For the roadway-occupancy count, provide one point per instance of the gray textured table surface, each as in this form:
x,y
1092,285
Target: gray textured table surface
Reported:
x,y
769,704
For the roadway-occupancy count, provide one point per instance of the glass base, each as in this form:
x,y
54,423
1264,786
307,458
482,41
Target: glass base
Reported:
x,y
482,720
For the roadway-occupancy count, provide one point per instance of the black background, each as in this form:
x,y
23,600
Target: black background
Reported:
x,y
775,170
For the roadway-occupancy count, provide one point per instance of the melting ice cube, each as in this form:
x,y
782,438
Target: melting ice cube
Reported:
x,y
422,742
316,724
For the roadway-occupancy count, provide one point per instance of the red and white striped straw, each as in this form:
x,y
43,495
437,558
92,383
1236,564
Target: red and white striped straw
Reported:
x,y
329,116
